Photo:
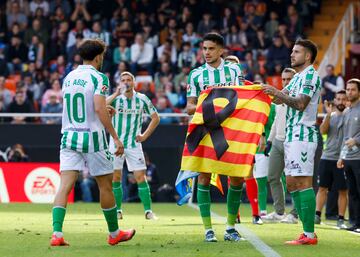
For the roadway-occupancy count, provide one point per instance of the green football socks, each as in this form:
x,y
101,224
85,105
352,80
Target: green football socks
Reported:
x,y
111,219
118,193
308,205
262,193
233,203
144,194
58,215
203,197
295,195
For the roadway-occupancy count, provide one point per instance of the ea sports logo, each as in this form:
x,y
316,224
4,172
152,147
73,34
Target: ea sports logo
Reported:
x,y
41,185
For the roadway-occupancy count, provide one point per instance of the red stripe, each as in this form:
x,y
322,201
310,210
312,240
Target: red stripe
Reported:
x,y
209,153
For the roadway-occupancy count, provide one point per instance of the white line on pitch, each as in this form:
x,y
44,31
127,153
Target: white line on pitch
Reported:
x,y
253,239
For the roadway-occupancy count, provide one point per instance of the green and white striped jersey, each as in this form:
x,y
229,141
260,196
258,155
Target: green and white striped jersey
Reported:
x,y
129,116
227,74
300,126
81,127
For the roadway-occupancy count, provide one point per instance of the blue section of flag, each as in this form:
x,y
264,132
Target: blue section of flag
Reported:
x,y
183,185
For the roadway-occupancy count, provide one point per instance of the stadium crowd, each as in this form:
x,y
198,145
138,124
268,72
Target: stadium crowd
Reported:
x,y
159,41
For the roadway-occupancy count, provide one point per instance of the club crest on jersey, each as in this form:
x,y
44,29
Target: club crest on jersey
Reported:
x,y
104,89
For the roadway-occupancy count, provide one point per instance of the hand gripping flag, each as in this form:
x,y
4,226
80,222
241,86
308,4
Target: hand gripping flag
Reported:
x,y
223,135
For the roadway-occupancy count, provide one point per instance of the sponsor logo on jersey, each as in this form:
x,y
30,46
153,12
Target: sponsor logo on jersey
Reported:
x,y
225,84
41,185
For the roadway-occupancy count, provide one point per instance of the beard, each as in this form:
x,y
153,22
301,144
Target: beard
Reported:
x,y
340,107
298,64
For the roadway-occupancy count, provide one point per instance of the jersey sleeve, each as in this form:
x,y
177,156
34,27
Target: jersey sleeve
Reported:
x,y
311,83
101,84
148,106
193,88
239,75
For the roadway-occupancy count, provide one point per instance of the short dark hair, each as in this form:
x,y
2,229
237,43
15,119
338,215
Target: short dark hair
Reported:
x,y
354,81
310,46
90,48
214,37
289,70
341,92
330,66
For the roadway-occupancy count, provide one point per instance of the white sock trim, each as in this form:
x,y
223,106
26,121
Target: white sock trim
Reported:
x,y
110,208
310,188
58,206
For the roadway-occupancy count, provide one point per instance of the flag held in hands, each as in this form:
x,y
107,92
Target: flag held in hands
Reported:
x,y
225,131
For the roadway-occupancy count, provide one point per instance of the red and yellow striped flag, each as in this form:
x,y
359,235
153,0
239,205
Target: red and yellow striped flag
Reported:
x,y
225,131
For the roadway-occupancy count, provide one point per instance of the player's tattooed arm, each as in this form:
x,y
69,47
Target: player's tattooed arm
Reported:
x,y
191,105
299,103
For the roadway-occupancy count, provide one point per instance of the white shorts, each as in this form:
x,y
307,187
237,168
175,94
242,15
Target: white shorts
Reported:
x,y
98,163
299,158
134,157
261,166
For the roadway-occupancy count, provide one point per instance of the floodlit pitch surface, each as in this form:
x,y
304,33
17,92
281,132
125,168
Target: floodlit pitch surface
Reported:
x,y
25,230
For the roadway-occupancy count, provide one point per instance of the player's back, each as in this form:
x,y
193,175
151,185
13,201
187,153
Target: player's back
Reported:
x,y
81,126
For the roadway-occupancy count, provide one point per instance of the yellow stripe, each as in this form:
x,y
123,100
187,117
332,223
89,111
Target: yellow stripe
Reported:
x,y
198,164
234,124
234,147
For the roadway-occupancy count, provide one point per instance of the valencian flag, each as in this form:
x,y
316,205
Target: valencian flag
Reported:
x,y
224,133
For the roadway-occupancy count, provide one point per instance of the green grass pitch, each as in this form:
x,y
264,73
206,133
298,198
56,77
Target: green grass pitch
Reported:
x,y
25,230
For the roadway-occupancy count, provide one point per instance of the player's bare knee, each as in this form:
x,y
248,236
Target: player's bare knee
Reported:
x,y
236,181
140,176
343,193
117,175
204,179
323,190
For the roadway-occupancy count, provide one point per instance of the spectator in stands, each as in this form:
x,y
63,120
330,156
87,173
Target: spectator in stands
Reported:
x,y
86,184
163,76
186,57
233,40
294,22
261,43
122,66
80,12
206,24
278,54
150,36
185,17
99,32
17,154
55,90
271,26
59,40
64,4
180,79
59,65
146,90
285,35
15,31
245,34
16,15
227,20
121,52
79,29
5,94
52,106
169,48
171,32
123,30
331,84
35,4
20,105
141,55
33,90
4,70
189,35
17,54
38,30
251,64
162,106
251,18
36,51
171,94
73,50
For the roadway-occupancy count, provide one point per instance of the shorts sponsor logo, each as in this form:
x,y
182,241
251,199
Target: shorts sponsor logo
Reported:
x,y
295,166
41,185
